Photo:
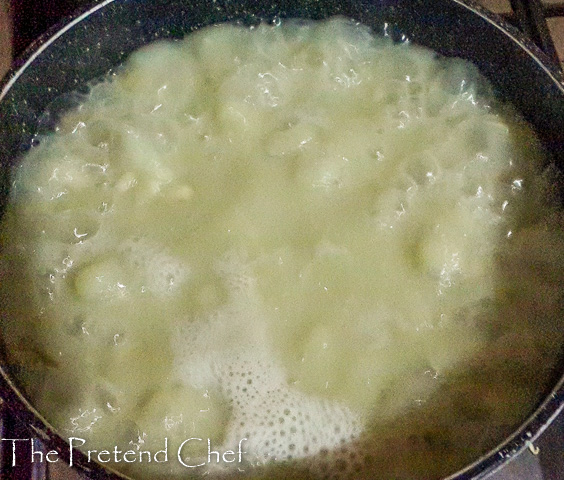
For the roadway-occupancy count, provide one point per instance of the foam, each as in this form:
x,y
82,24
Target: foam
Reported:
x,y
230,350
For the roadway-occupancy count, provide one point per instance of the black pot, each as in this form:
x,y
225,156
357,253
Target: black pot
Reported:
x,y
93,42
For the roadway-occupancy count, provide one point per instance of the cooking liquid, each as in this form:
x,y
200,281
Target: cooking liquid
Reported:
x,y
336,247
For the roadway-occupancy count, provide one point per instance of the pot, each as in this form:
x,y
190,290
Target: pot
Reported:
x,y
93,42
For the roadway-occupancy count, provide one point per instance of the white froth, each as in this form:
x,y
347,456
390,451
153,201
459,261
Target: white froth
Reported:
x,y
230,350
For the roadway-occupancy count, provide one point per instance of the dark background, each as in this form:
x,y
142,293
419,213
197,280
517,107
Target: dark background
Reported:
x,y
32,17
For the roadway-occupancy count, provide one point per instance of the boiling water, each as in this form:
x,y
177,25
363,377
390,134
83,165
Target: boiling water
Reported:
x,y
337,248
